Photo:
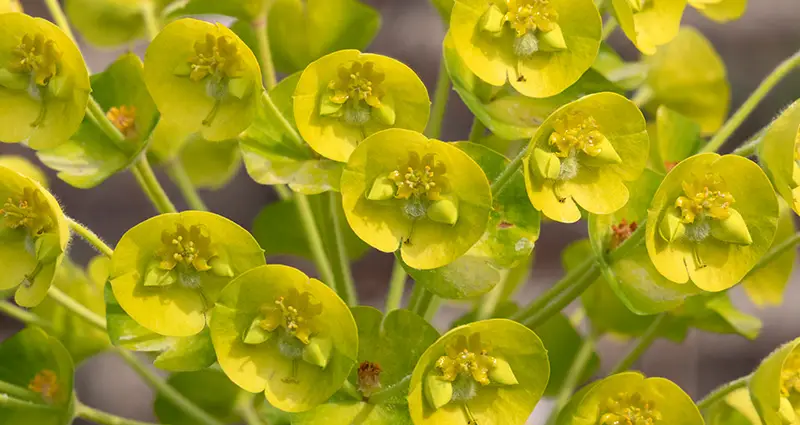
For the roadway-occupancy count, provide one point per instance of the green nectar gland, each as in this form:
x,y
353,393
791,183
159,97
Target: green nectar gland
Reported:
x,y
629,409
218,63
29,210
533,22
34,65
124,119
357,95
45,383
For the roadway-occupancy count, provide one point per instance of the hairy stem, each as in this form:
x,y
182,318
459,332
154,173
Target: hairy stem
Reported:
x,y
264,52
347,286
750,147
20,393
776,252
397,285
562,285
440,97
500,182
17,404
421,300
77,308
151,187
90,237
476,131
573,378
722,391
152,23
60,18
23,315
642,344
99,417
178,175
749,105
314,240
565,298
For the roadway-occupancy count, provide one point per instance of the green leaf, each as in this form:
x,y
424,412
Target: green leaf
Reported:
x,y
208,389
279,231
80,338
247,10
766,286
674,138
110,23
272,157
90,157
210,165
31,355
175,354
735,409
301,32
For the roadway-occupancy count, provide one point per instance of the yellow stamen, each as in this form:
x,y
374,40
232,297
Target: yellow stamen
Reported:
x,y
629,409
530,15
124,119
704,197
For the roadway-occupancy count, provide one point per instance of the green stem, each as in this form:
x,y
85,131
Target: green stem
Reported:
x,y
152,23
77,308
23,315
96,113
162,387
750,147
489,301
440,97
776,252
245,409
477,131
573,378
421,300
288,128
500,182
181,179
752,102
99,417
722,391
565,299
608,27
283,192
151,187
264,52
397,285
60,18
347,287
562,285
14,403
20,393
90,237
642,344
314,240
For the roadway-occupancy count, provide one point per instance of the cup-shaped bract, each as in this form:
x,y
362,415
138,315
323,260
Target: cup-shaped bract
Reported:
x,y
720,10
204,77
277,330
630,398
427,198
168,271
38,373
583,154
110,23
346,96
780,153
44,82
490,372
649,23
541,47
688,76
775,386
33,237
711,220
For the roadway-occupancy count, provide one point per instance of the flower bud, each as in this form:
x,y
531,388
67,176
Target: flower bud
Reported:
x,y
382,189
318,352
671,227
438,392
492,21
256,334
444,211
553,40
732,229
502,374
545,164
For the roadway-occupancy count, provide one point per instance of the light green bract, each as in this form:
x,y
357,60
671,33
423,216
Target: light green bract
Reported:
x,y
203,79
276,330
630,398
168,271
110,23
346,96
541,47
775,386
44,83
41,373
491,372
688,76
711,220
649,23
389,348
673,138
735,409
33,237
583,154
720,10
766,285
780,153
430,200
90,156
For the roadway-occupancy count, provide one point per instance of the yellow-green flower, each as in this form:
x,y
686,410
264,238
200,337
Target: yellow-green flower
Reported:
x,y
541,47
168,271
689,77
7,6
720,10
780,151
710,221
487,372
203,78
583,154
631,399
346,96
775,386
44,83
33,237
111,23
427,198
276,330
649,23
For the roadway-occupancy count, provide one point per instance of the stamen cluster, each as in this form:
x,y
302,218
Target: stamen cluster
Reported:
x,y
38,56
706,197
469,359
217,57
420,178
186,247
576,131
360,82
30,210
629,409
530,15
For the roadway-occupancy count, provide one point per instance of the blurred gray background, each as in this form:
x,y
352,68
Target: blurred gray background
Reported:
x,y
412,32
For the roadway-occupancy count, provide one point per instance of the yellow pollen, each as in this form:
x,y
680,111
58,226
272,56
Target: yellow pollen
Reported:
x,y
37,56
359,83
188,247
576,131
423,178
45,383
705,197
629,409
124,119
466,358
530,15
217,57
292,313
30,210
